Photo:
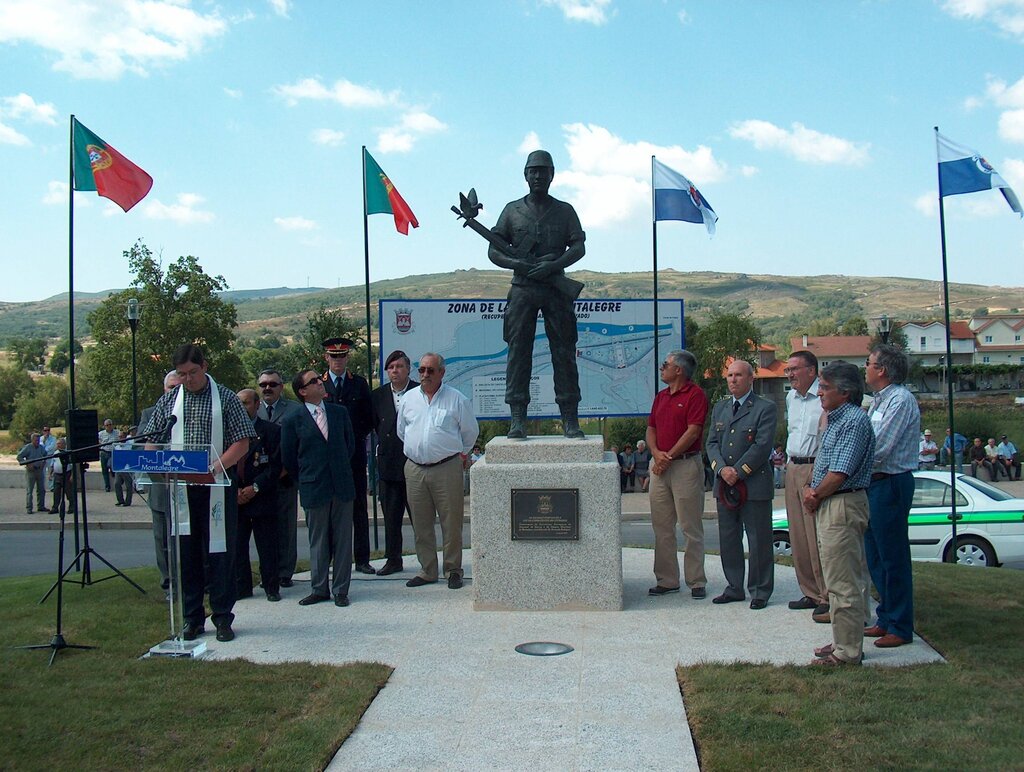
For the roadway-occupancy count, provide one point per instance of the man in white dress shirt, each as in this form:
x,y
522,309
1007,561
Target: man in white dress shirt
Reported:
x,y
437,426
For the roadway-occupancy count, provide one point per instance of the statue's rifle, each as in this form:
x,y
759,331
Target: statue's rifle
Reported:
x,y
469,207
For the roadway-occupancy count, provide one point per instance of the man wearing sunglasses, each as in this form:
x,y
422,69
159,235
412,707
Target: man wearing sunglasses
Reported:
x,y
437,425
317,445
353,392
275,408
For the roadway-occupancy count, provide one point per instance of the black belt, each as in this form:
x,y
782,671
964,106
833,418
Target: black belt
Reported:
x,y
438,463
851,490
800,460
686,455
879,476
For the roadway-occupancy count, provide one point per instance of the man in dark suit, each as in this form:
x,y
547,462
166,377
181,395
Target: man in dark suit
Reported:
x,y
353,393
385,401
258,475
317,445
738,445
275,408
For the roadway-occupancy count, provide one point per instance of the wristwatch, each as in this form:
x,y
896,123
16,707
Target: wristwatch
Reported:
x,y
255,487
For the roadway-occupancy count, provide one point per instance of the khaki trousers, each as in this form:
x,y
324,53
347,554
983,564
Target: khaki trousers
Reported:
x,y
677,495
436,491
842,521
803,534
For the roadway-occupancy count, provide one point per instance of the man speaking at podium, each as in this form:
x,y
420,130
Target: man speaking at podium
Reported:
x,y
206,413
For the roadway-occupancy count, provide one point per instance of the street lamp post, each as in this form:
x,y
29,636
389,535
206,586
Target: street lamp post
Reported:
x,y
133,322
883,328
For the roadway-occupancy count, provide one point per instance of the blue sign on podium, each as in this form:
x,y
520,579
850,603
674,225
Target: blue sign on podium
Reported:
x,y
160,461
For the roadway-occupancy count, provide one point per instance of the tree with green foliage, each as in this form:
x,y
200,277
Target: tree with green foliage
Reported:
x,y
724,337
41,405
14,381
179,304
27,353
855,325
60,360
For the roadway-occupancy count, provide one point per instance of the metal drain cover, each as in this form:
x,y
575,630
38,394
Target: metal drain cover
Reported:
x,y
543,648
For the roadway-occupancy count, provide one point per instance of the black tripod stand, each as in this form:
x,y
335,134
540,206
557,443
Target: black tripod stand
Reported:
x,y
57,643
86,552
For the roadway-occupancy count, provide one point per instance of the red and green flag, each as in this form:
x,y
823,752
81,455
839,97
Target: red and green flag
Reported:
x,y
99,167
383,198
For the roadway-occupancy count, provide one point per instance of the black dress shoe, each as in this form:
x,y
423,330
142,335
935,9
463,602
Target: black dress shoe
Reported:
x,y
365,568
273,597
698,593
312,598
419,581
341,600
659,590
723,598
389,568
758,603
287,583
804,603
225,633
191,631
454,582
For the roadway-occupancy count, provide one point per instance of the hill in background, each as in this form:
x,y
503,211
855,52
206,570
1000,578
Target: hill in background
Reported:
x,y
777,303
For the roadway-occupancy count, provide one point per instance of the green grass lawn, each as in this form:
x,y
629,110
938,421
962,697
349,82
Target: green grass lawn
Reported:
x,y
966,714
107,709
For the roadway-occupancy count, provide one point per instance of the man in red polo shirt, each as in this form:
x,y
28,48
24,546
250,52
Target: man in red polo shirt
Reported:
x,y
674,432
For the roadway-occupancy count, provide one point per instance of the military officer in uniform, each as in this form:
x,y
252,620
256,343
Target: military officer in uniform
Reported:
x,y
353,392
738,445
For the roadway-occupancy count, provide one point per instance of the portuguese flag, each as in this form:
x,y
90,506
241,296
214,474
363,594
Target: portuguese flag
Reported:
x,y
383,198
99,167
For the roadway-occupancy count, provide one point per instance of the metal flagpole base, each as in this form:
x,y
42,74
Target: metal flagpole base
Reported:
x,y
175,647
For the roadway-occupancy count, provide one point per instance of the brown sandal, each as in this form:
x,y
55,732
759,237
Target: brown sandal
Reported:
x,y
832,659
824,651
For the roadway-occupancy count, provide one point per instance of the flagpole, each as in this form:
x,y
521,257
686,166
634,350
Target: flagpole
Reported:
x,y
949,358
654,243
71,265
369,349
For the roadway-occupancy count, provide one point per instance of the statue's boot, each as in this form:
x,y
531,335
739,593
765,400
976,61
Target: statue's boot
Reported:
x,y
571,423
517,428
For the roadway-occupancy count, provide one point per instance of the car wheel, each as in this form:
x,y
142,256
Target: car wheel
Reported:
x,y
971,551
780,541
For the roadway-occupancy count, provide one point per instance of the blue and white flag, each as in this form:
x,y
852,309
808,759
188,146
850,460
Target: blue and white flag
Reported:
x,y
676,198
962,170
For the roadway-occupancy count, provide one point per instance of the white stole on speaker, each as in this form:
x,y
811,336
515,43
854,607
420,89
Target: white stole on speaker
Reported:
x,y
218,539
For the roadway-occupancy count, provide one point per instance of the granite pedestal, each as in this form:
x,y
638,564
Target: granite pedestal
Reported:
x,y
546,575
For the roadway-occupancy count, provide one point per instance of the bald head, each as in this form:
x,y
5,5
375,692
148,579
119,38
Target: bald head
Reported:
x,y
739,378
250,401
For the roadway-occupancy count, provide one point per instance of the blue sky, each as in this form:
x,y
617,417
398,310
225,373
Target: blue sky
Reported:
x,y
807,125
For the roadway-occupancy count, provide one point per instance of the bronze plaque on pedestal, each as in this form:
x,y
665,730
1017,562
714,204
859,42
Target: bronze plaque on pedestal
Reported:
x,y
545,514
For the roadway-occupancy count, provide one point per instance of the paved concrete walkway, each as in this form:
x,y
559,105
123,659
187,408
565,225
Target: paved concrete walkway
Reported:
x,y
461,698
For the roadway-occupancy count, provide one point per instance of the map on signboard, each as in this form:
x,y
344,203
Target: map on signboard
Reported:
x,y
614,353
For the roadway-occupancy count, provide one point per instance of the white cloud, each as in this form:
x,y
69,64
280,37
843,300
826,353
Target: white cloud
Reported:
x,y
1007,15
1012,170
344,92
802,143
928,203
329,137
530,143
281,7
103,40
1011,125
1003,95
25,107
608,178
413,125
749,171
589,11
683,16
234,93
56,193
184,212
295,223
9,136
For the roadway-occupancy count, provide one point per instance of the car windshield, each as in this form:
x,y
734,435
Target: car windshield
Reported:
x,y
991,491
934,493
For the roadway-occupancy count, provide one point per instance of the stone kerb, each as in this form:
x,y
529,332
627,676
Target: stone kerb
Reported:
x,y
546,575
